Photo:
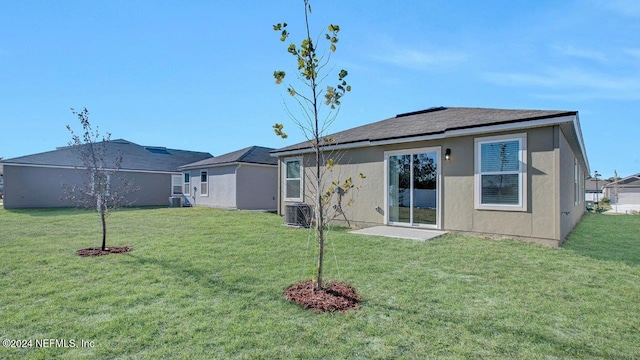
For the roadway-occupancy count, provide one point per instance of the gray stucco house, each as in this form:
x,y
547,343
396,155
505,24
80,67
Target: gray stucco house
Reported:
x,y
37,180
517,173
593,189
625,191
246,179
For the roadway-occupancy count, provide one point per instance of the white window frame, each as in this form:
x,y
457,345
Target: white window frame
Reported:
x,y
522,172
582,191
175,180
206,173
576,182
301,179
412,152
186,184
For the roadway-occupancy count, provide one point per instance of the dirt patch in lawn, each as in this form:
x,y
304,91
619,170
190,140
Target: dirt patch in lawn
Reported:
x,y
334,296
96,251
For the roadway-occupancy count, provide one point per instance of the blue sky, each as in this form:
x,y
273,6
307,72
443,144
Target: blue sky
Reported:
x,y
197,75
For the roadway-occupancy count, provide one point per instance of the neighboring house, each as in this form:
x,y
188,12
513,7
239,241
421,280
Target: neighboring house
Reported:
x,y
37,180
624,191
518,173
246,179
593,189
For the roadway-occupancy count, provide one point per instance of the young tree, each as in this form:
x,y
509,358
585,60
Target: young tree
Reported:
x,y
312,98
98,188
615,189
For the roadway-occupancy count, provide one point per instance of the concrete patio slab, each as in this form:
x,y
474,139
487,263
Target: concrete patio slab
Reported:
x,y
400,232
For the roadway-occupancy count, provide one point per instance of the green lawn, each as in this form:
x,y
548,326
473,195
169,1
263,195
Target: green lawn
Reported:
x,y
206,284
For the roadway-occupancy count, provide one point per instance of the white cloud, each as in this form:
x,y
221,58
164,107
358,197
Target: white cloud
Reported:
x,y
572,83
520,79
623,7
582,53
414,57
633,52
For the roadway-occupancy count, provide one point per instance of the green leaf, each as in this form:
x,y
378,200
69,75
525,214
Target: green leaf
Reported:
x,y
279,76
333,47
284,36
277,129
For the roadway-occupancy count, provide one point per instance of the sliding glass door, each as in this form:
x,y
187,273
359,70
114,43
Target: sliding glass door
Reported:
x,y
412,187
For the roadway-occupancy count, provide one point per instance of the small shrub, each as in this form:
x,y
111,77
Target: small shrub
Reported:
x,y
600,209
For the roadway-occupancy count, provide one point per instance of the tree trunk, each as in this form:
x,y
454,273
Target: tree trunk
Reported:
x,y
103,216
319,221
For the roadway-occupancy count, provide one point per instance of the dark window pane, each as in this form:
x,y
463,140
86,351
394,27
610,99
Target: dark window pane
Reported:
x,y
293,170
500,189
500,156
293,188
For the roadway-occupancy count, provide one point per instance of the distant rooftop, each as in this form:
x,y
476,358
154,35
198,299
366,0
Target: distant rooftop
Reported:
x,y
134,157
248,155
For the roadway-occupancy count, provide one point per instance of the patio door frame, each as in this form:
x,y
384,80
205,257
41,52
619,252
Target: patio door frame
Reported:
x,y
411,152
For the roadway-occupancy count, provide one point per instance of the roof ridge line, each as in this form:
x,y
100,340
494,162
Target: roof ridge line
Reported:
x,y
246,153
431,109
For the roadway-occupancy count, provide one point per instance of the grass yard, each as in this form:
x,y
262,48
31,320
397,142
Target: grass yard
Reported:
x,y
206,284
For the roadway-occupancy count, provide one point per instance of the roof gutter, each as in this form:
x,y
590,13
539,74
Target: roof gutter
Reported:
x,y
352,145
83,168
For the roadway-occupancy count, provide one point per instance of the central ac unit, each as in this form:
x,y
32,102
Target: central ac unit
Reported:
x,y
298,215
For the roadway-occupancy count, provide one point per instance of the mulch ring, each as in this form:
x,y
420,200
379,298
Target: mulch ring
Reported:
x,y
334,296
97,251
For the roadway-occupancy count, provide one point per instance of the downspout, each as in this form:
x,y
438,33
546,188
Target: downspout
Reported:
x,y
557,215
279,205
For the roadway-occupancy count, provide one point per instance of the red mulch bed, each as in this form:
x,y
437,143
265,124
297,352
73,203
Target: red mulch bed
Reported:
x,y
334,296
97,251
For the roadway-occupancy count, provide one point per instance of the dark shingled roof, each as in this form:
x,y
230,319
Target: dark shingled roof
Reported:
x,y
630,181
248,155
431,122
134,157
590,184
